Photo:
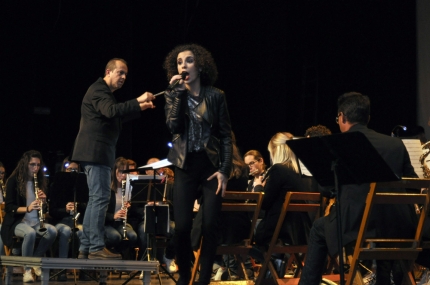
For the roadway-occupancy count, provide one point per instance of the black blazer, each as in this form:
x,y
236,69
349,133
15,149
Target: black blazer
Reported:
x,y
386,220
101,119
12,202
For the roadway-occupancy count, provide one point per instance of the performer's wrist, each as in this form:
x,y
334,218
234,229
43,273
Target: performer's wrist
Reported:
x,y
28,210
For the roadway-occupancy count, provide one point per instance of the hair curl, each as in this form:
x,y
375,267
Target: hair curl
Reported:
x,y
21,172
203,59
316,131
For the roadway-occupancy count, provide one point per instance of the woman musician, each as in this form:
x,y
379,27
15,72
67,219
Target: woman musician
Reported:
x,y
23,209
116,226
64,213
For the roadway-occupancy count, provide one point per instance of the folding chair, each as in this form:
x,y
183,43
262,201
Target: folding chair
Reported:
x,y
294,202
241,250
389,249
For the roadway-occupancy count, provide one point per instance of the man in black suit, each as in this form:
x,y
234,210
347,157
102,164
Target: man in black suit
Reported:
x,y
101,120
387,221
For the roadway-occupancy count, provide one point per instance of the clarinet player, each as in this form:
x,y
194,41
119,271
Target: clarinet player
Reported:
x,y
116,226
23,209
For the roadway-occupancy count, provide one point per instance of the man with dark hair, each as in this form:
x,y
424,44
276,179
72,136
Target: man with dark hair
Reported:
x,y
393,221
101,119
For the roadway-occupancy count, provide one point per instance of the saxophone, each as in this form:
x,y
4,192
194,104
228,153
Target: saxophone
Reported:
x,y
124,207
426,151
40,211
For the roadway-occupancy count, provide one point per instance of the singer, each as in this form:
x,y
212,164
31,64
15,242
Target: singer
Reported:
x,y
101,119
198,119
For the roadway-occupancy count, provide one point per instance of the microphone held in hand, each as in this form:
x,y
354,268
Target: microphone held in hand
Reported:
x,y
183,75
172,86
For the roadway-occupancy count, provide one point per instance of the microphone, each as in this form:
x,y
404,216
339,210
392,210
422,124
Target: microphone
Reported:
x,y
171,86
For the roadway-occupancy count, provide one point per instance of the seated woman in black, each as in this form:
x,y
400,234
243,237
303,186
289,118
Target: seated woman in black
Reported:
x,y
281,177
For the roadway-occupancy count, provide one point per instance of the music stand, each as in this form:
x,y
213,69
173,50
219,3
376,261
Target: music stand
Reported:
x,y
69,186
342,159
144,196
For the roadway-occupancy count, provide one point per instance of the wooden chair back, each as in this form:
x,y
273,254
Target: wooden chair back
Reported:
x,y
246,202
405,250
294,202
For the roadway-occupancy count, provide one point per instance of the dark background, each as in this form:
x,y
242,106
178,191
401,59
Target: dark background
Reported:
x,y
281,63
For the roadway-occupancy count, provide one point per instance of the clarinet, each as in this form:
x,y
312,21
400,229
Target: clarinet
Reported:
x,y
75,215
40,211
124,207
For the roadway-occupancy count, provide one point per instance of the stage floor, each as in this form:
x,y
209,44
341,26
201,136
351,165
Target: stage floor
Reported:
x,y
113,279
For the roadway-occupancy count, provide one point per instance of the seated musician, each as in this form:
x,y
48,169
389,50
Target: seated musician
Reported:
x,y
281,177
257,167
391,221
63,213
24,218
309,181
116,226
137,212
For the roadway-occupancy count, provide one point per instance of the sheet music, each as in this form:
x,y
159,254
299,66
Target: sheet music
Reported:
x,y
303,169
135,177
413,146
157,164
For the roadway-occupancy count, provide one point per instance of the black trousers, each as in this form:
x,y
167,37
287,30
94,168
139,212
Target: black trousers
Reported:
x,y
190,184
317,255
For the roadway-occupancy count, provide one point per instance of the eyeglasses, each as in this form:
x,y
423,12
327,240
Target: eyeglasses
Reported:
x,y
71,169
337,117
252,162
34,164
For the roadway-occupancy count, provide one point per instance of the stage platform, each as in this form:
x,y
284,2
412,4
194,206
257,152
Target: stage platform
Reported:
x,y
102,266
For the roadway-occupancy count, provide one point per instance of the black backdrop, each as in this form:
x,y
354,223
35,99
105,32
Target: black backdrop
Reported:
x,y
270,54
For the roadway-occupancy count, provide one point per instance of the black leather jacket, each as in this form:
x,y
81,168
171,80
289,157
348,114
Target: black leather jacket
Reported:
x,y
216,134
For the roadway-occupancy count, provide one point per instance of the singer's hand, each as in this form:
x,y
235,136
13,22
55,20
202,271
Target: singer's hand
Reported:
x,y
146,105
145,97
180,86
222,182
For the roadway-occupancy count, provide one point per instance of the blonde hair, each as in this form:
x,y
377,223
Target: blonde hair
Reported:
x,y
280,152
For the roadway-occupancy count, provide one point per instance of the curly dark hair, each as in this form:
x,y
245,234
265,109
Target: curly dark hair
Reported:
x,y
316,131
203,58
21,172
